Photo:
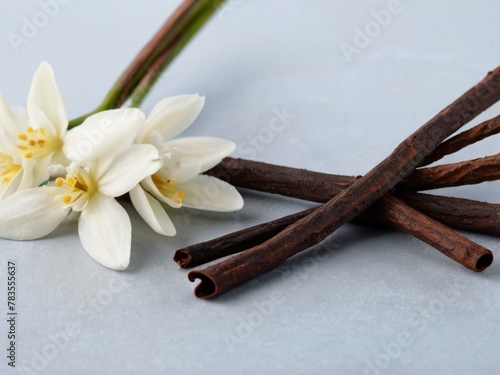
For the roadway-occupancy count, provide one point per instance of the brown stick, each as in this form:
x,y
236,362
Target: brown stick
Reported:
x,y
235,242
308,185
456,174
464,139
131,77
318,187
291,182
457,213
216,279
353,200
459,248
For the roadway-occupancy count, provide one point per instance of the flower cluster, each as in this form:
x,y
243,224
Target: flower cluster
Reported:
x,y
47,171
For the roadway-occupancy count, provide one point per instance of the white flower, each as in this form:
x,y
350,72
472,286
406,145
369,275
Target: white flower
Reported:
x,y
11,161
38,135
179,183
107,169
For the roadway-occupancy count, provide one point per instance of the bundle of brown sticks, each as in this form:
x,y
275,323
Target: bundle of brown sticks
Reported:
x,y
388,194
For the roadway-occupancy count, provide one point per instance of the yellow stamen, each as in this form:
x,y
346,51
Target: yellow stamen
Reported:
x,y
167,189
37,142
77,189
8,169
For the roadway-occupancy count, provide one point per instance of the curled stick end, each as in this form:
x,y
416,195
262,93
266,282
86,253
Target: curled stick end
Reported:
x,y
207,288
182,257
483,262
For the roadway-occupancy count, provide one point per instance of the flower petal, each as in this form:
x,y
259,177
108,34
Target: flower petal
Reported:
x,y
152,212
11,187
151,188
31,213
38,119
9,149
127,169
208,151
9,127
106,232
173,115
103,135
35,171
180,170
211,194
44,95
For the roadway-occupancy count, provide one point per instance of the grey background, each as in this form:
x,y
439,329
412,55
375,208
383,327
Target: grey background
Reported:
x,y
368,301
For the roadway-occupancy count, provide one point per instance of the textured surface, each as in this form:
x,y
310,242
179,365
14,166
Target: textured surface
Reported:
x,y
366,302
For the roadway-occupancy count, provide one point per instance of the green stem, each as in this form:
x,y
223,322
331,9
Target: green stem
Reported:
x,y
160,51
171,52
